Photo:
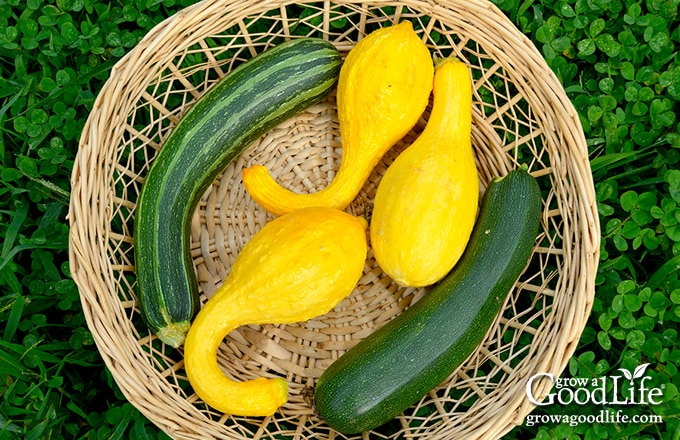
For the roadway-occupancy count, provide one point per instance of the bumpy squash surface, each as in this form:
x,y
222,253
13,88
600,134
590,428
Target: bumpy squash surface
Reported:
x,y
296,267
383,88
426,203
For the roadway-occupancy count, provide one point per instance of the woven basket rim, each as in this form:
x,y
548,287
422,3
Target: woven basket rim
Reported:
x,y
97,166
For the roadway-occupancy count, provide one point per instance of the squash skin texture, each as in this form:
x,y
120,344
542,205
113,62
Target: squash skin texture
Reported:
x,y
383,89
296,267
426,203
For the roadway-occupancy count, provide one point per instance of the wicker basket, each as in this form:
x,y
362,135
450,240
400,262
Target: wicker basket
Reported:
x,y
521,115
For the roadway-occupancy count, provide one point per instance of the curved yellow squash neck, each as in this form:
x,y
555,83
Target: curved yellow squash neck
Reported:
x,y
256,397
383,89
295,268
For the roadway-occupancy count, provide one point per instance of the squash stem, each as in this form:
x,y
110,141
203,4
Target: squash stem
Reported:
x,y
174,333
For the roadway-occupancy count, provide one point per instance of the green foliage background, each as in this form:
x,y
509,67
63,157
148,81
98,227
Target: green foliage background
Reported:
x,y
619,62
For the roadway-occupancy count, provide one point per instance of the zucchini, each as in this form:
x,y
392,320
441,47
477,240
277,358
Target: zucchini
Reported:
x,y
399,363
252,99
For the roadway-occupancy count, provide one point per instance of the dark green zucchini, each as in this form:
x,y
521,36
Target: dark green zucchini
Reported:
x,y
402,361
252,99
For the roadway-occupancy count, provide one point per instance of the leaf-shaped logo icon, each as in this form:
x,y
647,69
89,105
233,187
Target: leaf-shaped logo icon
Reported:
x,y
640,371
626,373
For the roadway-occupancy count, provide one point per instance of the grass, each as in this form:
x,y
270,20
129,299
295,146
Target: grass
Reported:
x,y
619,62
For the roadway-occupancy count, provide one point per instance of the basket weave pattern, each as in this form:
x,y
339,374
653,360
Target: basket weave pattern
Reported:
x,y
520,115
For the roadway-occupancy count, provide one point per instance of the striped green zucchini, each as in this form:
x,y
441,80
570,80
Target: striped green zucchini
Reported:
x,y
252,99
399,363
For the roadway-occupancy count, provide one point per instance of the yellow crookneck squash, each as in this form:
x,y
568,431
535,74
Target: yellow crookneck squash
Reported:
x,y
383,88
297,267
426,203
